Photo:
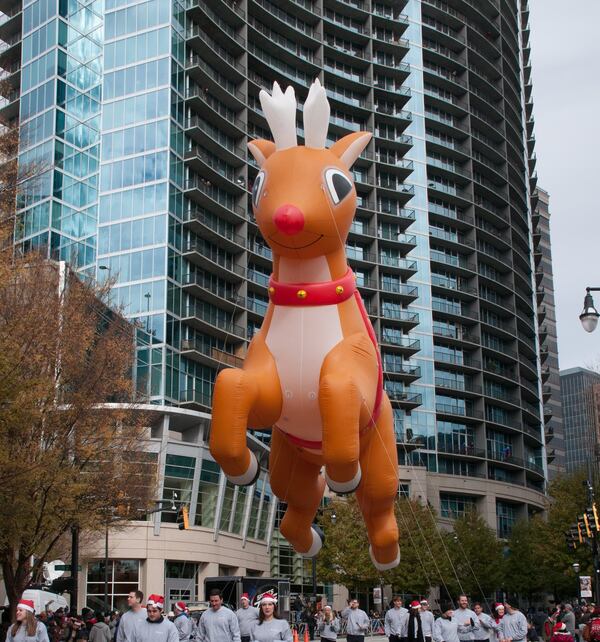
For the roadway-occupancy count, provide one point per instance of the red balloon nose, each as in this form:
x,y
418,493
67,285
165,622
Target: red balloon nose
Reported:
x,y
289,219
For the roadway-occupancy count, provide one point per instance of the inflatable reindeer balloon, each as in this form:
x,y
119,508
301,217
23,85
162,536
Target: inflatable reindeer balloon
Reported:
x,y
313,372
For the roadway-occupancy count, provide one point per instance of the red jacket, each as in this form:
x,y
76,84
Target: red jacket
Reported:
x,y
561,637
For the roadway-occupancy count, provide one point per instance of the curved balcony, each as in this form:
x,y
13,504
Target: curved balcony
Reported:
x,y
401,318
405,399
401,344
207,355
400,291
219,201
199,11
217,172
213,83
460,361
221,328
197,255
200,100
207,226
290,25
403,372
460,451
466,413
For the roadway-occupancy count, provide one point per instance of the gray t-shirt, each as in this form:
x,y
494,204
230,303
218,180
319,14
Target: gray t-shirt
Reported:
x,y
219,626
272,630
247,618
127,624
41,634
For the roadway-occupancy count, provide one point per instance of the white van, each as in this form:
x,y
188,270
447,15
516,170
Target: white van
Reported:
x,y
44,600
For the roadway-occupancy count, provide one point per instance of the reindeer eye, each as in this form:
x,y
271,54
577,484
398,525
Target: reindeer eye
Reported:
x,y
257,188
338,184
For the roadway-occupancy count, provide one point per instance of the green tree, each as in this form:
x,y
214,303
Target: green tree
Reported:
x,y
344,558
423,562
477,557
546,534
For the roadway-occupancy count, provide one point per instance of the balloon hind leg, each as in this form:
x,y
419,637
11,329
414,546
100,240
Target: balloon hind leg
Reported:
x,y
379,488
297,482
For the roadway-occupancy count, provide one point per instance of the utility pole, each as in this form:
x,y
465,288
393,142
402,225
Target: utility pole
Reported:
x,y
74,566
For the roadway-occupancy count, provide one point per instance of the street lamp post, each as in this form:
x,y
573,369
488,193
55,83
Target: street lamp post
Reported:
x,y
589,316
576,568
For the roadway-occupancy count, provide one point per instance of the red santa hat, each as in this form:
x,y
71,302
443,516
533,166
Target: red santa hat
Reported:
x,y
156,600
26,605
498,605
559,627
245,597
267,598
415,605
180,606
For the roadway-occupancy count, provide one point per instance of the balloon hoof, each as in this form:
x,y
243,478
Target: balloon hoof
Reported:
x,y
386,566
318,538
250,476
343,488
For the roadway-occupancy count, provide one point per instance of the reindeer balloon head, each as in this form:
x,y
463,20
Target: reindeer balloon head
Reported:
x,y
304,197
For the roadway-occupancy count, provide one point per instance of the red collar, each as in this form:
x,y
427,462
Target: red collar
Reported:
x,y
308,294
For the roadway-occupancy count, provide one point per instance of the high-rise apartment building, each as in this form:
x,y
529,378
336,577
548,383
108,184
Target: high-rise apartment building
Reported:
x,y
553,420
139,113
580,395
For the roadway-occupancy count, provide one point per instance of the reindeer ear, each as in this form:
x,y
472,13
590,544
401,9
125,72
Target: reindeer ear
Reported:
x,y
348,148
261,150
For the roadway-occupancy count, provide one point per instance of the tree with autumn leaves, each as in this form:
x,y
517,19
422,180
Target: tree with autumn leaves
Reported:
x,y
72,441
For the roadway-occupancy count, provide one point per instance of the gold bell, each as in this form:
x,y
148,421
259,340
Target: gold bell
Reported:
x,y
339,289
271,290
301,294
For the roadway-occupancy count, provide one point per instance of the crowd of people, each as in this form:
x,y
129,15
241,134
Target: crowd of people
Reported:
x,y
411,622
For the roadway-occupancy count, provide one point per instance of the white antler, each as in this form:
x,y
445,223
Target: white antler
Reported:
x,y
280,112
316,116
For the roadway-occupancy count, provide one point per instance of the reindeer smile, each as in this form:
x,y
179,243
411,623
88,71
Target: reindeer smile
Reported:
x,y
296,247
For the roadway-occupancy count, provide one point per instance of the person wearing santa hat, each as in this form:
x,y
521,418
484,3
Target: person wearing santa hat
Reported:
x,y
182,621
560,633
247,616
414,629
513,625
156,627
427,620
137,613
218,623
26,627
270,626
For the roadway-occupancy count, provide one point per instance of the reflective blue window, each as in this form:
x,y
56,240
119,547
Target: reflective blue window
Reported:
x,y
139,108
128,51
136,78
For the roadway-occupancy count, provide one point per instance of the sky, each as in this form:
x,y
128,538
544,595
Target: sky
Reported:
x,y
565,54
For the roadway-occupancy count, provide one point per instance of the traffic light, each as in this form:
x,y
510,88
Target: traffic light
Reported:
x,y
592,517
183,518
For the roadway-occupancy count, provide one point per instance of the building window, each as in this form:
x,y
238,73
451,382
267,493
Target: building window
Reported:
x,y
123,577
404,491
179,477
207,494
506,516
455,506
